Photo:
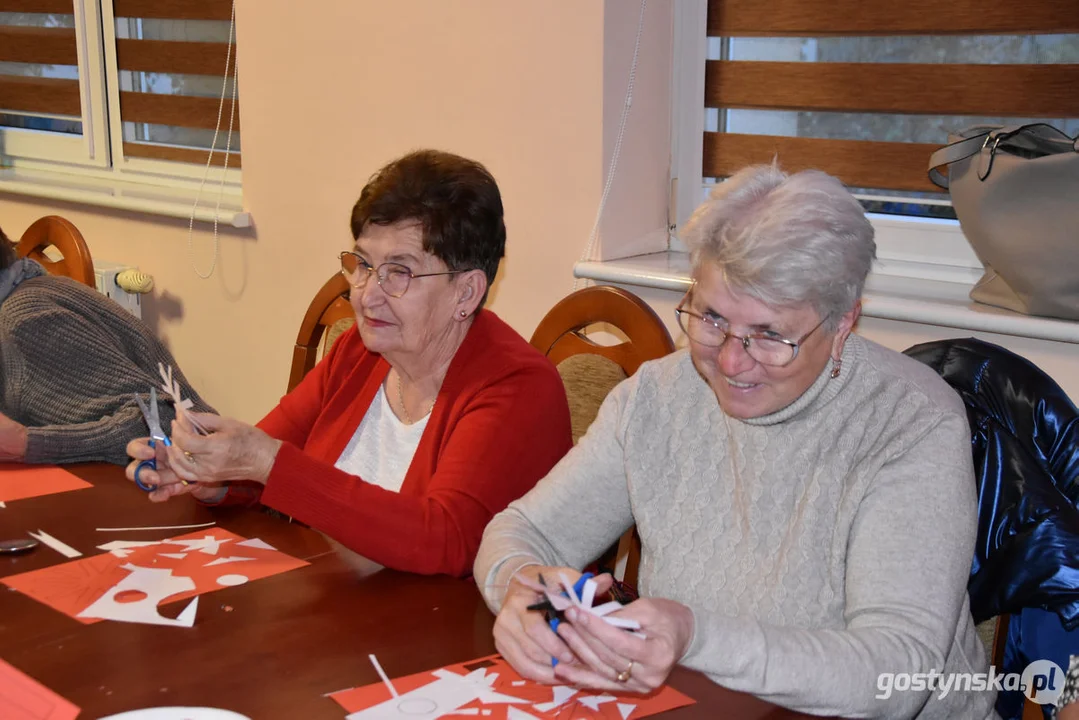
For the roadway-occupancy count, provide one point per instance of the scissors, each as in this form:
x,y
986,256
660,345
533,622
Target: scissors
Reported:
x,y
153,421
550,613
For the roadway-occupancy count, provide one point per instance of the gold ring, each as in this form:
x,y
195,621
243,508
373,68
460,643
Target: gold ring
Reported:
x,y
626,674
190,457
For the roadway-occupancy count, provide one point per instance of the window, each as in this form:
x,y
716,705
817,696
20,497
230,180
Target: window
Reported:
x,y
866,92
137,90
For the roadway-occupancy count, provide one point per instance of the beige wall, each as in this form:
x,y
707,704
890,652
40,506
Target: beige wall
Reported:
x,y
328,97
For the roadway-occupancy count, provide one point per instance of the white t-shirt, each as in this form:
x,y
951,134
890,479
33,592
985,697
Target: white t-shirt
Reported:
x,y
382,448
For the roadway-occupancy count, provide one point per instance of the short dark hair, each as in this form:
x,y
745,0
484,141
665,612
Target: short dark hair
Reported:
x,y
455,201
7,251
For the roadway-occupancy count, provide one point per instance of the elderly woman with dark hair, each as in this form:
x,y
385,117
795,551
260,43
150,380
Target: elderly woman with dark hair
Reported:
x,y
426,418
805,498
71,363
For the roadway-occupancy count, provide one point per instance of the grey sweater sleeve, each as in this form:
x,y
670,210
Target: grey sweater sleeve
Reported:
x,y
572,515
903,600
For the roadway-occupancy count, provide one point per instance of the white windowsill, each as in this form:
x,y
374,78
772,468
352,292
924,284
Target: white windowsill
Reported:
x,y
163,200
888,295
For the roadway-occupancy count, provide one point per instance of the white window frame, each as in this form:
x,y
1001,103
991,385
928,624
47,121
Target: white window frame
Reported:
x,y
93,167
907,247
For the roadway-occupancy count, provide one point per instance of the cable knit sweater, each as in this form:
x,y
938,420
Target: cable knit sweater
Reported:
x,y
817,547
71,361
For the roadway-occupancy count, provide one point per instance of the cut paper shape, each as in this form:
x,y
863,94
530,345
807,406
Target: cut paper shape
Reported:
x,y
60,547
496,677
18,481
178,713
223,560
124,548
159,527
73,586
156,584
594,701
231,580
624,709
176,556
24,698
182,405
207,545
256,543
565,598
562,693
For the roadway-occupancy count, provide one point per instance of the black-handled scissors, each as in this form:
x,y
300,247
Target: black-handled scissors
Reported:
x,y
157,434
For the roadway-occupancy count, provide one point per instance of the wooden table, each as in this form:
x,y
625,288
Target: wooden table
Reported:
x,y
268,649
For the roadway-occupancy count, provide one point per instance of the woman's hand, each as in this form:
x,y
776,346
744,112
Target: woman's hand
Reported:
x,y
607,653
232,451
12,440
165,481
523,636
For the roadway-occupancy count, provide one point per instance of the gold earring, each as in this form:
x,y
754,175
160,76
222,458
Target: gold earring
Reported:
x,y
836,365
464,314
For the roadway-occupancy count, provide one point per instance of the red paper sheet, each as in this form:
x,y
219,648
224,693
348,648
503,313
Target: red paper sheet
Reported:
x,y
666,698
73,586
27,481
23,698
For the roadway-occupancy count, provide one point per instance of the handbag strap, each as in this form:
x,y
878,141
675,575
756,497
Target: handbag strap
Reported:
x,y
968,147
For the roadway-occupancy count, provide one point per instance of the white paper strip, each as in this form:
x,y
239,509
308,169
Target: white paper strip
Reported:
x,y
157,527
60,547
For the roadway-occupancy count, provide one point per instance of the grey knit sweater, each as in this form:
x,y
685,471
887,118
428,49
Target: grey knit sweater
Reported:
x,y
817,547
71,361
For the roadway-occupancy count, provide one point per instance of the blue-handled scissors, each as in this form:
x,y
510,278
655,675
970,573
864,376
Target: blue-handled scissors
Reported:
x,y
552,616
157,434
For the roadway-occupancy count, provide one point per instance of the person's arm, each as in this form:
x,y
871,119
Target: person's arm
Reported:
x,y
510,435
908,560
12,440
572,515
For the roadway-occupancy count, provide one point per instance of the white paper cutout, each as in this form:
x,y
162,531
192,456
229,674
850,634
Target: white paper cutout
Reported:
x,y
174,556
466,711
513,713
182,405
224,560
518,683
256,543
562,693
208,545
178,713
594,701
60,547
382,674
562,602
232,580
157,584
625,709
449,692
158,527
123,548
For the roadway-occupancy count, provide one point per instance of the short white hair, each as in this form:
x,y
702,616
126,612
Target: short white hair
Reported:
x,y
785,240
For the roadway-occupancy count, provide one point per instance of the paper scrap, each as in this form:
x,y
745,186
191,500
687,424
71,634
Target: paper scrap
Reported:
x,y
223,560
60,547
24,698
625,709
256,543
594,701
562,693
18,481
158,527
123,548
152,586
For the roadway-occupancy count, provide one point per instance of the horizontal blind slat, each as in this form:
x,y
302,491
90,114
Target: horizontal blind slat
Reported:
x,y
994,90
821,18
47,46
858,163
165,56
56,7
40,95
179,154
173,9
177,110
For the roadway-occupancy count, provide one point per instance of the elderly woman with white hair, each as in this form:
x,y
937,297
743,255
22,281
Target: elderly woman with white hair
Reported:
x,y
805,498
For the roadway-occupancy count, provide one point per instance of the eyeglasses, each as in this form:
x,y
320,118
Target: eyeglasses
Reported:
x,y
765,348
393,278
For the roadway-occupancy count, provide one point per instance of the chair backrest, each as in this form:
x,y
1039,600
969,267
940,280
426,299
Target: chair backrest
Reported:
x,y
1025,443
589,370
57,232
329,307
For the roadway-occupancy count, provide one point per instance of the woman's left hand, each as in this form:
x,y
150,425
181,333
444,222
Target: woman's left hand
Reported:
x,y
232,451
606,652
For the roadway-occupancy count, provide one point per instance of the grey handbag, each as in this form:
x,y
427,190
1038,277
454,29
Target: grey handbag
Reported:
x,y
1016,192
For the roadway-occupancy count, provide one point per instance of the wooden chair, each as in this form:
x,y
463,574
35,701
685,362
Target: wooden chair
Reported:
x,y
329,308
55,231
590,370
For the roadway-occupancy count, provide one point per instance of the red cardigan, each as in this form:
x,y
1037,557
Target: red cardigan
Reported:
x,y
499,424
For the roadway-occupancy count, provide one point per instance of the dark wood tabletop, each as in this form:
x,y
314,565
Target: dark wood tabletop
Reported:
x,y
271,648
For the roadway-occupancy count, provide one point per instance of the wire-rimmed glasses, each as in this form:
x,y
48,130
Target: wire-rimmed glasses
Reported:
x,y
765,347
393,278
